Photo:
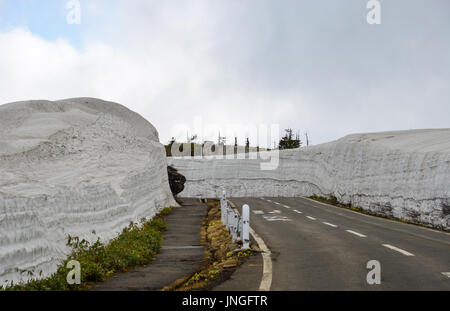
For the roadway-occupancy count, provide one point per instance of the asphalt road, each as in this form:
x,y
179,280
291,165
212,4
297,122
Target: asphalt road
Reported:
x,y
321,247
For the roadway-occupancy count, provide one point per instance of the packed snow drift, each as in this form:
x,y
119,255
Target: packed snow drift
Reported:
x,y
403,174
81,167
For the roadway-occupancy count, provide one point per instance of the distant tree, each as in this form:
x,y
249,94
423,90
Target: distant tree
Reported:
x,y
288,141
169,147
192,138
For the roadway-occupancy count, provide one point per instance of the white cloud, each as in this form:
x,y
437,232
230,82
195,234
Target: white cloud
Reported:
x,y
309,66
168,85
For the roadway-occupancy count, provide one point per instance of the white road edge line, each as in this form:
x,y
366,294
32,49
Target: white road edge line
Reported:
x,y
356,233
266,281
312,218
398,250
328,224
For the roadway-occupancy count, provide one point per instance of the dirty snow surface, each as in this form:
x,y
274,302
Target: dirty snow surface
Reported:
x,y
404,174
81,167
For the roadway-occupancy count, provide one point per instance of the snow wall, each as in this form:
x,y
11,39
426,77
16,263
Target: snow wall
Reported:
x,y
81,167
403,174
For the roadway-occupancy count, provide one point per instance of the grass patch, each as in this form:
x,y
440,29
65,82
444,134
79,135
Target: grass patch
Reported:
x,y
332,200
136,245
221,258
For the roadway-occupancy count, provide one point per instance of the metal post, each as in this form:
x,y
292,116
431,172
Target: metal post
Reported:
x,y
240,226
234,227
245,226
223,206
230,217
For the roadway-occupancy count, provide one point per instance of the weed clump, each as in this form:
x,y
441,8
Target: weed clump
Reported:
x,y
221,256
136,245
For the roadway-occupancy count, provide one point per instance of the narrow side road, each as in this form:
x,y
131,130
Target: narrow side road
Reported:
x,y
180,255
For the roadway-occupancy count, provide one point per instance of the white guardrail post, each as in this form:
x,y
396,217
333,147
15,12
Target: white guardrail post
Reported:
x,y
245,233
236,224
230,217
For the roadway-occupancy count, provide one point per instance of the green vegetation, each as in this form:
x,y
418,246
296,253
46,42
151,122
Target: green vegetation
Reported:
x,y
221,258
136,245
334,201
181,146
289,142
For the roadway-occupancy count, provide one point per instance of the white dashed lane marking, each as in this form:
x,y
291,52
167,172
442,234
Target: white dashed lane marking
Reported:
x,y
275,212
356,233
331,225
286,206
277,218
312,218
298,212
447,274
398,250
276,203
256,212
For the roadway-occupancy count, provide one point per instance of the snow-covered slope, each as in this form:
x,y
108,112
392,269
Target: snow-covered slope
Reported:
x,y
404,174
83,167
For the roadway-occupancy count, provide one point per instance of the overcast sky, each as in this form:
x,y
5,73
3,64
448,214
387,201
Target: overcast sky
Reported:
x,y
315,66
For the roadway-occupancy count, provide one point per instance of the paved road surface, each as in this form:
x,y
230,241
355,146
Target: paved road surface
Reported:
x,y
322,247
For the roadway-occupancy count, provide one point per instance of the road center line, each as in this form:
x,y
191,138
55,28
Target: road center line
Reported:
x,y
331,225
398,250
312,218
356,233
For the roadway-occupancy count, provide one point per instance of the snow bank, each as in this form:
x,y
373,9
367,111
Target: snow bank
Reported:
x,y
83,167
402,174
